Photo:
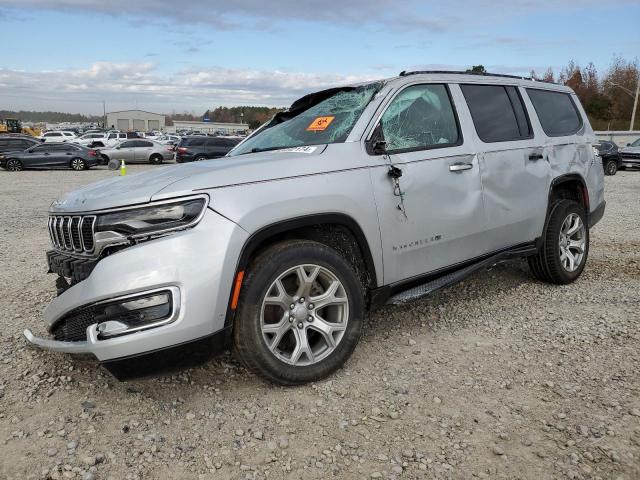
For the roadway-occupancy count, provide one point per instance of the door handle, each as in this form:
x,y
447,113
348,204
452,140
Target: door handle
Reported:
x,y
536,156
459,167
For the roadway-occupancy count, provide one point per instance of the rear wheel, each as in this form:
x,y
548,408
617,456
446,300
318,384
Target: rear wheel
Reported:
x,y
300,313
200,158
155,159
565,245
14,165
610,167
78,164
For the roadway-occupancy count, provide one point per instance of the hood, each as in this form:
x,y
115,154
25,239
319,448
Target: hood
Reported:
x,y
185,179
630,150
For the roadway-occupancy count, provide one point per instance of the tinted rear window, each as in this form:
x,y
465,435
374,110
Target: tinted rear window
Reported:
x,y
498,112
193,142
557,113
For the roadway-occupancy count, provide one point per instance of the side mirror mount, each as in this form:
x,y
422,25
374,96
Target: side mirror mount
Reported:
x,y
376,144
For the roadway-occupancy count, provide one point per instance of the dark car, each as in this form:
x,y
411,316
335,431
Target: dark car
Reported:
x,y
611,160
202,148
46,155
14,143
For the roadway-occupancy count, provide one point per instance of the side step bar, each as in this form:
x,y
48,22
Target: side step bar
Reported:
x,y
456,276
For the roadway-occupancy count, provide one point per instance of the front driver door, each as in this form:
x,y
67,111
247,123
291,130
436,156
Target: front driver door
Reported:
x,y
432,217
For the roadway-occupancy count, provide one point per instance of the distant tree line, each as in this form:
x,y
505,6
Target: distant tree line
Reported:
x,y
50,117
607,99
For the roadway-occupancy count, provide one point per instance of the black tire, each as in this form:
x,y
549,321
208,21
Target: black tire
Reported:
x,y
547,264
249,344
13,165
78,164
155,159
610,167
199,158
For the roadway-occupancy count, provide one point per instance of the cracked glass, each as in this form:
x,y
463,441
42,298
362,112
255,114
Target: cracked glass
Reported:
x,y
420,117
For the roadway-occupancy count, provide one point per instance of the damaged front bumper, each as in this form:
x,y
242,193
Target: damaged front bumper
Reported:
x,y
115,312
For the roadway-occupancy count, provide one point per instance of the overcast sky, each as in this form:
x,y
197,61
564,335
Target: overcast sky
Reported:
x,y
164,56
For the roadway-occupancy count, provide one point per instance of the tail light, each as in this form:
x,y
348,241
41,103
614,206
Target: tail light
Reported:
x,y
170,148
92,153
182,150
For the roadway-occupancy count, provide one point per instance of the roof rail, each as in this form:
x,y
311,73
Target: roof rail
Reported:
x,y
404,73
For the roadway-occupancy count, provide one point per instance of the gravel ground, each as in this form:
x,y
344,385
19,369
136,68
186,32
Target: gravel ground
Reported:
x,y
497,377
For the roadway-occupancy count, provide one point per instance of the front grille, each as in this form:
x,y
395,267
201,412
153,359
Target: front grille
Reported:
x,y
72,233
630,156
73,327
77,269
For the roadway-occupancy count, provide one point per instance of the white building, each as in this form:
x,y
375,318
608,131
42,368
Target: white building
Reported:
x,y
129,120
208,127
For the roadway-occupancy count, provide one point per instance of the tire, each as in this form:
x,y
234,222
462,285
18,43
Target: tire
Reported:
x,y
565,245
155,159
78,164
199,158
13,165
610,167
260,319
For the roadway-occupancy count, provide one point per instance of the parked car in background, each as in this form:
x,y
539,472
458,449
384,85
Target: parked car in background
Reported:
x,y
57,137
138,150
611,160
630,155
92,140
17,142
113,138
168,139
48,155
196,148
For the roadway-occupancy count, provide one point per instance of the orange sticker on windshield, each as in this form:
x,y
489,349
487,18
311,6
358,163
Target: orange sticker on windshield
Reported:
x,y
319,124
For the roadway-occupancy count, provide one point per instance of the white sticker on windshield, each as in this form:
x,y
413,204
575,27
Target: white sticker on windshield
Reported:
x,y
306,149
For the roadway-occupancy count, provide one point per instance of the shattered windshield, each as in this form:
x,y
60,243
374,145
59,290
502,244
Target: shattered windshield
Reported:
x,y
326,121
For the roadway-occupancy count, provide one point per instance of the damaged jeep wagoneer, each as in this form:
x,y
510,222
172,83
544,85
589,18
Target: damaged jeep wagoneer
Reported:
x,y
354,197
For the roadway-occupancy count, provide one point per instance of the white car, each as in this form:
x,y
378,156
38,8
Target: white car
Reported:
x,y
57,137
92,140
168,139
114,138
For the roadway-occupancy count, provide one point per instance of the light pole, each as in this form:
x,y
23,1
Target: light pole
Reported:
x,y
635,101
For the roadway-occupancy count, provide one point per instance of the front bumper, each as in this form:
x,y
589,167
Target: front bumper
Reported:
x,y
199,263
631,162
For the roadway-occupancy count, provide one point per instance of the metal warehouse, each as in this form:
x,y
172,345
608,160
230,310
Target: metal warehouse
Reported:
x,y
210,127
135,120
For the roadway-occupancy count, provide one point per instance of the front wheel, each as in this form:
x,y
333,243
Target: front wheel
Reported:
x,y
565,245
155,159
300,313
611,167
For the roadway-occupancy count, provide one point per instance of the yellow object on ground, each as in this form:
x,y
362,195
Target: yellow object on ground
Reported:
x,y
123,168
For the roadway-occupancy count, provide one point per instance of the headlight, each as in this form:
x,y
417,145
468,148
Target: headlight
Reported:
x,y
155,219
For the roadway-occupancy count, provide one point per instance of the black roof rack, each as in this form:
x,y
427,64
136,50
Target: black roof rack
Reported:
x,y
404,73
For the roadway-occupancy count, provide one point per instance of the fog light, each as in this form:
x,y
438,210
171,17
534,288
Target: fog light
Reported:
x,y
135,313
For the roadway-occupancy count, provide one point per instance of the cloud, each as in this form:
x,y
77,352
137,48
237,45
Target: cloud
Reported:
x,y
141,84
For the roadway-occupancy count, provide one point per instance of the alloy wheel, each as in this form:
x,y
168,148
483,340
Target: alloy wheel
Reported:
x,y
77,164
304,315
572,242
14,165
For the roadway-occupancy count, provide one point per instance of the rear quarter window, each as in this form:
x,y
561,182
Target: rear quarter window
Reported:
x,y
556,111
194,142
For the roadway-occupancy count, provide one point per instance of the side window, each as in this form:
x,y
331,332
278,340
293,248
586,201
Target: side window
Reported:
x,y
557,113
196,142
498,112
420,117
215,142
143,143
129,144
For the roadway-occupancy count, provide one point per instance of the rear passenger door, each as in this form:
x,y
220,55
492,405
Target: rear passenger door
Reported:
x,y
514,166
142,149
215,147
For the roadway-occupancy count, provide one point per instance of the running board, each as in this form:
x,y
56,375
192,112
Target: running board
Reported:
x,y
458,275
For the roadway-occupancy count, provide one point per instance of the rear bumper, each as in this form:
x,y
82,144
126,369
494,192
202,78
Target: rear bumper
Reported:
x,y
596,215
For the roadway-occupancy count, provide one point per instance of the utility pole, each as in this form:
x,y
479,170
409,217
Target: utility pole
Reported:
x,y
635,103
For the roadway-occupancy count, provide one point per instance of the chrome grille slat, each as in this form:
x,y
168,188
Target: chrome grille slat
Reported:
x,y
72,233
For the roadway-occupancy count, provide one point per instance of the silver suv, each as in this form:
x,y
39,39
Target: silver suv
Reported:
x,y
355,197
